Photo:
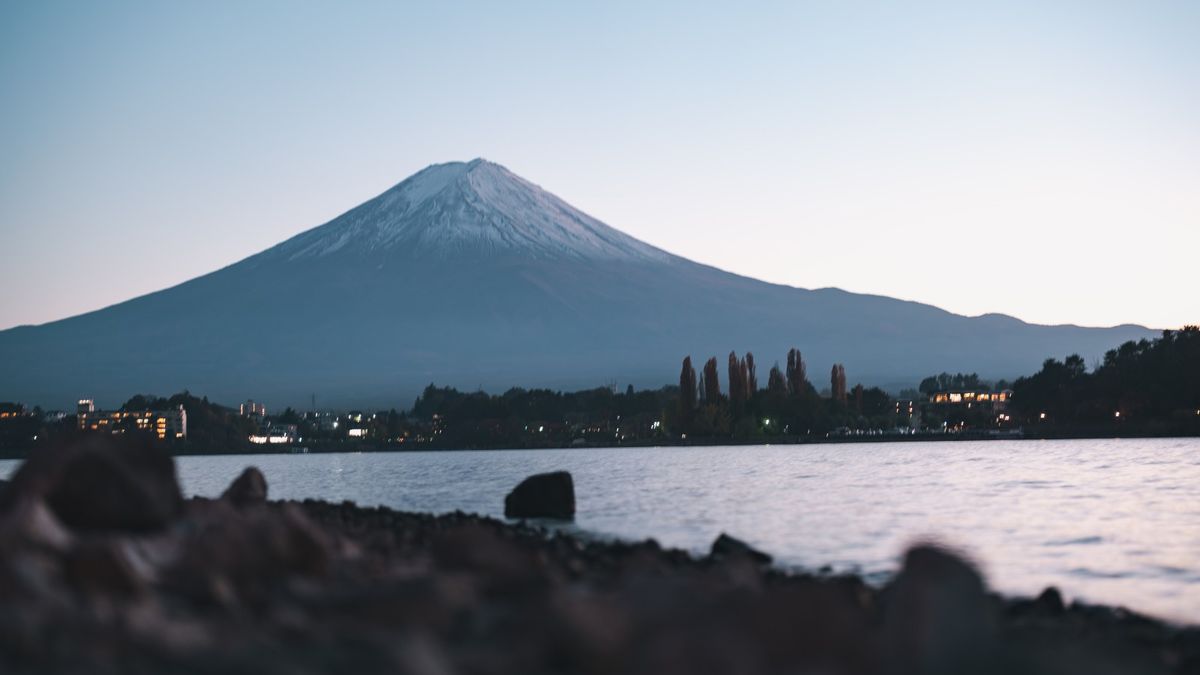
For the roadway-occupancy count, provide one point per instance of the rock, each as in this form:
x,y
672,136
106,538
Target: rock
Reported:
x,y
496,560
248,489
937,615
32,525
726,546
545,495
241,555
1050,601
98,567
102,484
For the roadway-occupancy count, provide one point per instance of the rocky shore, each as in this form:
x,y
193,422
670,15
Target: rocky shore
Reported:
x,y
106,568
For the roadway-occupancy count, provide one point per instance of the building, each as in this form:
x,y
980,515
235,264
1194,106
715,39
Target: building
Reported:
x,y
8,410
252,409
994,400
276,434
165,424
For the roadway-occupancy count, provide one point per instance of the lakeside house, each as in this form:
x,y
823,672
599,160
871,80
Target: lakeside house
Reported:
x,y
165,424
276,433
996,400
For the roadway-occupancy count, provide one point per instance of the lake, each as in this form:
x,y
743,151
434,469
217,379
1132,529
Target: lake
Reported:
x,y
1107,521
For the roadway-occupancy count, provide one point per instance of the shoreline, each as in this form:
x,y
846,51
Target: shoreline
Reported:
x,y
366,447
139,579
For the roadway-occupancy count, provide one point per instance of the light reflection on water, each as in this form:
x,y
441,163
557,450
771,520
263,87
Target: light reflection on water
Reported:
x,y
1109,521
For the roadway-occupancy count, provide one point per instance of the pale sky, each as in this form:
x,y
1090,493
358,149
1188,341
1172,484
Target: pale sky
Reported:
x,y
1040,159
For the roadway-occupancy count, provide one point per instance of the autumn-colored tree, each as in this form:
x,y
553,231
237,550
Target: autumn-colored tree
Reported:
x,y
711,382
796,375
775,381
751,375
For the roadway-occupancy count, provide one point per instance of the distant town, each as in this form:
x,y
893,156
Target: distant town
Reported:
x,y
1144,388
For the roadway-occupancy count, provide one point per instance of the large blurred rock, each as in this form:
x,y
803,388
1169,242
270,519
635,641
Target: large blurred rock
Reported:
x,y
248,489
938,618
544,495
101,568
240,556
101,484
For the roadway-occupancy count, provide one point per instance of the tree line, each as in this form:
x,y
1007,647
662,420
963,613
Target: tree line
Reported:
x,y
789,405
1142,387
1152,386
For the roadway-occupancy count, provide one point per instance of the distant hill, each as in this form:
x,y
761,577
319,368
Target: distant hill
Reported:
x,y
468,275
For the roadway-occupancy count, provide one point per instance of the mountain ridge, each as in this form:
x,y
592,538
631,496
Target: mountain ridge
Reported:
x,y
468,275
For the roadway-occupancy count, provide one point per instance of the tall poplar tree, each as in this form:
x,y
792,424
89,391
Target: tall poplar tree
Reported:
x,y
775,382
751,375
712,383
796,375
737,391
687,390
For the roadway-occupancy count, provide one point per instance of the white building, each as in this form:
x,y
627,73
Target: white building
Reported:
x,y
165,424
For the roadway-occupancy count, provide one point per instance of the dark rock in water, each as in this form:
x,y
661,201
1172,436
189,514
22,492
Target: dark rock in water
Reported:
x,y
545,495
248,489
937,615
727,546
99,484
1050,601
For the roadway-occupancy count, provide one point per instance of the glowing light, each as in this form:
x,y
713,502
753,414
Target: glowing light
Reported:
x,y
1117,414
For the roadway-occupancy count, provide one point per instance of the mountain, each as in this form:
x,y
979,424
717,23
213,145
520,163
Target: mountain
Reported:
x,y
468,275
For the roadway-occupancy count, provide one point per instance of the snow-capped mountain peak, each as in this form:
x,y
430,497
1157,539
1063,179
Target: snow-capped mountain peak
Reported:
x,y
468,207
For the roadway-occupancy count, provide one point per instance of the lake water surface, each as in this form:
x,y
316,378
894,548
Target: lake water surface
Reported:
x,y
1107,521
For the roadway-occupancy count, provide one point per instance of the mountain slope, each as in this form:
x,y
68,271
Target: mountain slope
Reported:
x,y
466,274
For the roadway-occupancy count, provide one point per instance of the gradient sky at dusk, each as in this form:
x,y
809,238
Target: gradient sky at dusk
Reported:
x,y
1040,159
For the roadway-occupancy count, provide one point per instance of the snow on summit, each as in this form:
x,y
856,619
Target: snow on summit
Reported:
x,y
475,207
